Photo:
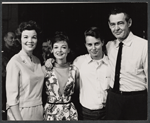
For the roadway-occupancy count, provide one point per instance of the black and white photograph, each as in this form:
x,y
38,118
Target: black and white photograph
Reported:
x,y
74,61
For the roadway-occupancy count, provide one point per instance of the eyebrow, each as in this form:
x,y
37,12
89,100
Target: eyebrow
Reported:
x,y
62,45
94,43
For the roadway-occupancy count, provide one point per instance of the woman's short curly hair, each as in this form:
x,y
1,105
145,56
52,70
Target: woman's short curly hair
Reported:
x,y
60,36
30,25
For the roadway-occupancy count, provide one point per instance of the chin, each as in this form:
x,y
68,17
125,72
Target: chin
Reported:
x,y
93,56
30,50
60,58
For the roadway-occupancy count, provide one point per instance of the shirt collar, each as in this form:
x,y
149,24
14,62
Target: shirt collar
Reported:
x,y
104,59
89,59
23,53
127,41
24,56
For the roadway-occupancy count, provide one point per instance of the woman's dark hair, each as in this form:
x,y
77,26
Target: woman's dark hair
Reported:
x,y
60,36
30,25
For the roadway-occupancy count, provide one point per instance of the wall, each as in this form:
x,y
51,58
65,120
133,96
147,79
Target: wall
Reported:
x,y
9,17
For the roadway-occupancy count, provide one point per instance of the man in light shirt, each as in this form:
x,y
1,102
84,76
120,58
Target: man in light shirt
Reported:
x,y
93,69
130,102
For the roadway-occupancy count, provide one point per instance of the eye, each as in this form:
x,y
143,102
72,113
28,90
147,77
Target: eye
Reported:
x,y
34,37
96,44
89,45
64,47
25,37
112,24
55,47
121,23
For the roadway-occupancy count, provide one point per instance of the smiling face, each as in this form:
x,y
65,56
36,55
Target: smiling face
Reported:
x,y
60,50
29,40
94,47
119,26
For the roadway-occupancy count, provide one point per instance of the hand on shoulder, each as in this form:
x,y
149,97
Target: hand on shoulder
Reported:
x,y
49,63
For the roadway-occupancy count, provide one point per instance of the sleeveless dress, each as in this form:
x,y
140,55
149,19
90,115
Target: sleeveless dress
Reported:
x,y
59,106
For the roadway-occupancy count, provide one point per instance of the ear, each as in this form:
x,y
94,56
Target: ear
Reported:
x,y
85,45
130,22
109,24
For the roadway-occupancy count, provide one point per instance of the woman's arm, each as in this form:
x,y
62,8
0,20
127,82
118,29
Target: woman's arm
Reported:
x,y
12,88
16,112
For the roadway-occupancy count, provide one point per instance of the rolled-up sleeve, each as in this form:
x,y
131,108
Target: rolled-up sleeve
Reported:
x,y
12,83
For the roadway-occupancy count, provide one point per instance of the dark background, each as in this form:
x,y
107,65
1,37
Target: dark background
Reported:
x,y
75,18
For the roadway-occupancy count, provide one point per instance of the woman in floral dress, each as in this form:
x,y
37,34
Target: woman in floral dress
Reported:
x,y
61,82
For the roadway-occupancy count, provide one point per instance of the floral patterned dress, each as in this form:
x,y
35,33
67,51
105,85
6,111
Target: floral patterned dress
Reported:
x,y
59,106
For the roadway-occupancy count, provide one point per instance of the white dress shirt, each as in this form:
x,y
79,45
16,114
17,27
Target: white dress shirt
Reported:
x,y
93,81
134,63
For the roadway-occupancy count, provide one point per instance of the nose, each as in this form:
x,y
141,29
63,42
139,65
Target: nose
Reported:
x,y
93,47
60,49
30,39
116,27
13,39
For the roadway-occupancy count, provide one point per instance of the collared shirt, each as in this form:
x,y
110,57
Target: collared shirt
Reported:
x,y
93,81
24,81
134,63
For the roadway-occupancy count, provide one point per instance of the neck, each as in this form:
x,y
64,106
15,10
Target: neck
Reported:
x,y
29,53
61,63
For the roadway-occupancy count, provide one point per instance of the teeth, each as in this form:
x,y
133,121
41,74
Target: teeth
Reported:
x,y
29,44
59,54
